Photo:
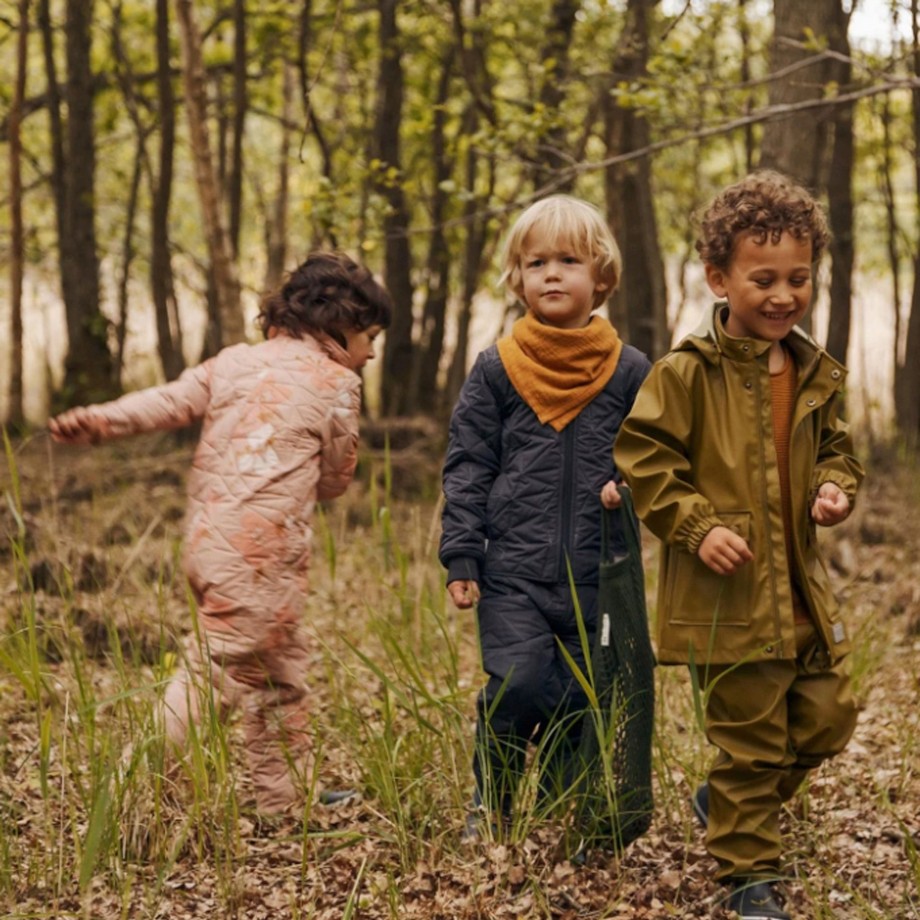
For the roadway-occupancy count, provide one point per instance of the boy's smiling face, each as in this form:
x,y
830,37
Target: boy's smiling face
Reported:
x,y
557,282
767,285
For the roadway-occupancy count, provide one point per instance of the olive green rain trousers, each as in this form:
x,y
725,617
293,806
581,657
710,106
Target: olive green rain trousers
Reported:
x,y
773,722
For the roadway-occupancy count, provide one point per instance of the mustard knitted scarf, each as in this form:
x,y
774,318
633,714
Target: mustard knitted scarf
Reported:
x,y
557,372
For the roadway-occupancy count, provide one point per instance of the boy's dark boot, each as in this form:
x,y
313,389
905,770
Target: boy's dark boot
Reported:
x,y
700,803
476,819
336,796
751,899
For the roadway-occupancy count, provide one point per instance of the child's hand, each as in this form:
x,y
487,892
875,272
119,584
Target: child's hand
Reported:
x,y
831,505
464,593
76,426
724,551
610,496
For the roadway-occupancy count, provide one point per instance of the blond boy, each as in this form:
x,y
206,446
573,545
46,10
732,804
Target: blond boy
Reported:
x,y
529,453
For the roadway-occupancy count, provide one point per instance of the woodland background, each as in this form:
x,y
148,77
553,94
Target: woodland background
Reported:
x,y
164,162
167,161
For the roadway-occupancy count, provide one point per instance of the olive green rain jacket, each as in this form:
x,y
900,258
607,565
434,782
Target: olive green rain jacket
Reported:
x,y
697,450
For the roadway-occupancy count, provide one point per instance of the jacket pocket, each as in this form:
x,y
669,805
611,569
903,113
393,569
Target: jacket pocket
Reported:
x,y
697,596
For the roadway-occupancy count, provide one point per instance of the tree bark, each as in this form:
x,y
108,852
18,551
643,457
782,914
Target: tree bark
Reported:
x,y
840,199
909,414
474,67
127,257
744,34
796,146
276,225
473,62
424,388
473,249
240,104
15,415
88,363
226,286
162,285
304,39
397,356
553,155
892,234
640,306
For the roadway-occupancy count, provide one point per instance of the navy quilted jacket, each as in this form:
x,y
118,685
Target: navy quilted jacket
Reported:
x,y
520,496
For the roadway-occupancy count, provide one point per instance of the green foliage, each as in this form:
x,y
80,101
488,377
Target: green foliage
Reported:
x,y
495,118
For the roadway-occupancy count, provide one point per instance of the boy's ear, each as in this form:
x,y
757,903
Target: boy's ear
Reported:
x,y
715,278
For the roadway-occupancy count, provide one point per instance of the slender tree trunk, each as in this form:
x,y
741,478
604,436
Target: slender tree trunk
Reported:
x,y
162,285
127,81
276,225
640,305
744,34
304,40
397,356
475,71
473,249
424,391
127,257
553,155
169,333
15,415
226,285
840,200
240,104
473,62
796,145
88,365
892,233
909,418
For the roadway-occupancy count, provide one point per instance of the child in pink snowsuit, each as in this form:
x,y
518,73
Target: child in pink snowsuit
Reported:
x,y
280,432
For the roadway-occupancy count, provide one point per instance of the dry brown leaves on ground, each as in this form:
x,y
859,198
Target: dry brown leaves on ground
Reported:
x,y
92,545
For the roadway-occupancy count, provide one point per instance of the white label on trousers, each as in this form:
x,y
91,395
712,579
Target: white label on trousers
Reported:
x,y
605,629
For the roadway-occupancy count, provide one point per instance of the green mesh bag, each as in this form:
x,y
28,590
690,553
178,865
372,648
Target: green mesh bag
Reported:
x,y
615,801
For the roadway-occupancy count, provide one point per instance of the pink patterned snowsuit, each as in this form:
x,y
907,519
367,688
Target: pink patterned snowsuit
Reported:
x,y
280,432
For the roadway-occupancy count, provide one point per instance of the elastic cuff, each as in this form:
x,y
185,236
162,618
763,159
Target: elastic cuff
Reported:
x,y
463,568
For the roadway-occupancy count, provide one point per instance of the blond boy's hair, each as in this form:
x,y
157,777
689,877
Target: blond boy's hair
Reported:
x,y
574,224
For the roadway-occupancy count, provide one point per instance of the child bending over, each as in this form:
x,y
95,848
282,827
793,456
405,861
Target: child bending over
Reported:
x,y
280,432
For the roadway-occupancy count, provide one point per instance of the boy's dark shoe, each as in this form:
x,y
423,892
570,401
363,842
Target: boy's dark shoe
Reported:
x,y
474,828
336,796
700,802
754,900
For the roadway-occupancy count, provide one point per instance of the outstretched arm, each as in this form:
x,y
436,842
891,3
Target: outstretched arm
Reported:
x,y
173,405
78,426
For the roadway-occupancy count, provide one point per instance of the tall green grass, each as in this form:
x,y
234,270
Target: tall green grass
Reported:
x,y
92,805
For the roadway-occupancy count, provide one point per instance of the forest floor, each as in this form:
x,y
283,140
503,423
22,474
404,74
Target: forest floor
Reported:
x,y
93,610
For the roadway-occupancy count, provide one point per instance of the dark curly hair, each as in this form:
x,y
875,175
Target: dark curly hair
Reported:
x,y
764,204
328,293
